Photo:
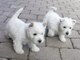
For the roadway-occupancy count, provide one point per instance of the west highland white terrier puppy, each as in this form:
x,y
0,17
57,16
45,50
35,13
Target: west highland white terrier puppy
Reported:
x,y
22,33
57,25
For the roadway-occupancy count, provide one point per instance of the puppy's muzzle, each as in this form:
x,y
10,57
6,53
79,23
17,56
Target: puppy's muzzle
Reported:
x,y
39,41
67,33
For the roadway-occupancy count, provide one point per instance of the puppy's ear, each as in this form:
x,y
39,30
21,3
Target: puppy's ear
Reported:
x,y
61,20
74,21
31,24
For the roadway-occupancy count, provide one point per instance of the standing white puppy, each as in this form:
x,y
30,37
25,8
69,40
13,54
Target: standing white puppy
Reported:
x,y
22,33
58,25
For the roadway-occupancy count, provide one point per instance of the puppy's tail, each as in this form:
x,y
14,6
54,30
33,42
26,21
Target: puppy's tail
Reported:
x,y
53,8
17,13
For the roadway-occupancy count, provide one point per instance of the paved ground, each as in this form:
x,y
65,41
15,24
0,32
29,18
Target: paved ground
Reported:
x,y
35,10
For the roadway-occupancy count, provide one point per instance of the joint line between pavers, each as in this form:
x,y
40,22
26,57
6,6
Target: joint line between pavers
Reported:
x,y
28,54
60,54
72,43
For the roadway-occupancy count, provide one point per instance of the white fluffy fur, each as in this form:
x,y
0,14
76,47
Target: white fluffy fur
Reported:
x,y
58,25
22,33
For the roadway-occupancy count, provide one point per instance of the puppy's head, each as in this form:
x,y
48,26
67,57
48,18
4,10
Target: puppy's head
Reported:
x,y
66,25
36,32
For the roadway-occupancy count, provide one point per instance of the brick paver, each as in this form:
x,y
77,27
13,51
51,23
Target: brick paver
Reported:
x,y
55,42
76,43
46,53
3,59
34,10
70,54
6,50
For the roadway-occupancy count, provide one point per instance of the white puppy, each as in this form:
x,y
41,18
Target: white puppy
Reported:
x,y
58,25
22,33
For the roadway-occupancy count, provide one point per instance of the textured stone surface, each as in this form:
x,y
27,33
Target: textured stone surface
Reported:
x,y
77,27
6,50
78,22
45,53
3,59
2,37
74,34
18,59
27,16
70,54
76,43
55,42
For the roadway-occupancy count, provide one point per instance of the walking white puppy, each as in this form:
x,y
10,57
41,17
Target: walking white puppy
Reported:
x,y
22,33
58,25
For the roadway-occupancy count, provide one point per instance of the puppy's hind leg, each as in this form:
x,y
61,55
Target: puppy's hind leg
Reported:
x,y
17,44
51,33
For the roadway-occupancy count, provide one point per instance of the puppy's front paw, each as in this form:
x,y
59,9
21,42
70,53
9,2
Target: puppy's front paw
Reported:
x,y
19,51
62,39
35,49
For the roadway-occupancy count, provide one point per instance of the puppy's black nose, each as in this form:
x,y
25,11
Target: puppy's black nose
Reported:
x,y
67,33
39,41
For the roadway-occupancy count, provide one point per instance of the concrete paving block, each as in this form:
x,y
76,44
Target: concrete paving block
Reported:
x,y
74,34
76,43
3,59
46,53
2,37
7,51
55,42
70,54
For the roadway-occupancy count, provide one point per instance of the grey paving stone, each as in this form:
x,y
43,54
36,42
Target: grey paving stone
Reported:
x,y
2,37
2,26
6,50
28,16
74,34
78,22
18,59
38,12
3,59
1,12
25,11
40,17
70,54
8,14
32,20
31,8
15,6
46,53
55,42
76,43
7,9
79,32
2,18
77,27
5,5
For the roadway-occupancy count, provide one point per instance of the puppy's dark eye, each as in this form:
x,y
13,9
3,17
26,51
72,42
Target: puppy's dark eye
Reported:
x,y
70,28
34,34
64,27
